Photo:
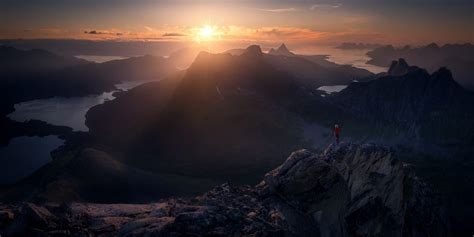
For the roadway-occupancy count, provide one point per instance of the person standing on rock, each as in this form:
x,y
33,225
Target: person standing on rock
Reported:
x,y
337,131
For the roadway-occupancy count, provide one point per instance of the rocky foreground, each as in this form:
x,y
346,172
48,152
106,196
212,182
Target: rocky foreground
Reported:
x,y
348,190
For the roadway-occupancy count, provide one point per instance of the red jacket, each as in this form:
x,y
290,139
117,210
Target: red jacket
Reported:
x,y
337,130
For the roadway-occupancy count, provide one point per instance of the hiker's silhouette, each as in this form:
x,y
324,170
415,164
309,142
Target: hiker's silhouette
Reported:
x,y
337,131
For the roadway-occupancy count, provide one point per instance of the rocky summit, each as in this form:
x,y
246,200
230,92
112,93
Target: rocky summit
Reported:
x,y
347,190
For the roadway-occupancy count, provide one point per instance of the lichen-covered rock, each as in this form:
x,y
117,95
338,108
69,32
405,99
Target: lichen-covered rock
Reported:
x,y
348,190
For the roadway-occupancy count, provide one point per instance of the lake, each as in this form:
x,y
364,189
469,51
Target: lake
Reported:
x,y
332,89
24,155
355,57
70,112
99,58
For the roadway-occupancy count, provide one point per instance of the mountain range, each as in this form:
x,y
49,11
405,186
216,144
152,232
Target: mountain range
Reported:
x,y
74,47
241,101
357,46
232,117
245,107
37,74
457,57
423,107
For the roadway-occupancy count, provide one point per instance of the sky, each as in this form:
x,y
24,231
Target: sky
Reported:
x,y
298,22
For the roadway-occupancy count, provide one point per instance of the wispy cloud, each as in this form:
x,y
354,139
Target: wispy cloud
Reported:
x,y
93,32
279,10
173,35
148,28
325,6
106,32
227,34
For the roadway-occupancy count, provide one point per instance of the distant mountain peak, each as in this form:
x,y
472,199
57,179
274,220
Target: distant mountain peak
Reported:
x,y
432,46
282,50
444,75
253,50
400,67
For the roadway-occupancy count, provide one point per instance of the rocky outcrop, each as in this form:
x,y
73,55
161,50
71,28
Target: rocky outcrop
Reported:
x,y
348,190
386,197
353,190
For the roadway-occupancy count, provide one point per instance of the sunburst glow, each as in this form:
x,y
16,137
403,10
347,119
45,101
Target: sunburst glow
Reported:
x,y
206,33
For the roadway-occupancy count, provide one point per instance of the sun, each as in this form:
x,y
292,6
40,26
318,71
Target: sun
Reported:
x,y
206,33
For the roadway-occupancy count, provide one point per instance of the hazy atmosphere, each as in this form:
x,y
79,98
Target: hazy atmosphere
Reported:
x,y
237,118
302,23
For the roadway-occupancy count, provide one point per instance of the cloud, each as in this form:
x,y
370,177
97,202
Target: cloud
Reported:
x,y
269,34
325,6
296,35
279,10
93,32
104,32
227,34
173,35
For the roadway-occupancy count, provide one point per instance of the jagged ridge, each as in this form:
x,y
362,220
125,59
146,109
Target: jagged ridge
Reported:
x,y
348,190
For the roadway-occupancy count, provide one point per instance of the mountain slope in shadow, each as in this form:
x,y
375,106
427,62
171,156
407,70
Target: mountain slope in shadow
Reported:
x,y
224,107
422,108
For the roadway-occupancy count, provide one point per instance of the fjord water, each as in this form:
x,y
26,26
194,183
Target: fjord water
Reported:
x,y
68,112
24,155
355,57
332,89
99,58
